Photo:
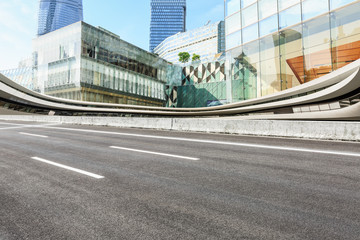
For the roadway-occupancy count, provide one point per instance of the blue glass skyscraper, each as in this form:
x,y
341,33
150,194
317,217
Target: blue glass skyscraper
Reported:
x,y
168,17
55,14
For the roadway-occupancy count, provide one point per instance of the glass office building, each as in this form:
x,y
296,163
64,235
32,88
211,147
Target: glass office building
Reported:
x,y
275,45
87,63
206,41
55,14
168,17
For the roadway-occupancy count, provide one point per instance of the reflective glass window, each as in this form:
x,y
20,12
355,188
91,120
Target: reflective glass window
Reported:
x,y
270,81
345,35
251,70
251,52
316,31
339,3
269,47
317,61
290,16
267,8
292,60
245,3
345,22
233,40
317,50
313,8
233,23
291,39
232,6
287,3
249,15
268,25
250,33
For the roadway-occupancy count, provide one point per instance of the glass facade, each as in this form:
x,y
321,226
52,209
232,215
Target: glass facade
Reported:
x,y
206,41
201,85
22,76
83,62
168,17
56,14
273,45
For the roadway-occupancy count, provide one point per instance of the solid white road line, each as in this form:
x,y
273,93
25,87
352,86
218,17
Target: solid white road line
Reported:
x,y
33,135
351,154
68,168
156,153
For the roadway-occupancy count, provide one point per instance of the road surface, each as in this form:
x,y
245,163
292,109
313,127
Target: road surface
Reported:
x,y
83,182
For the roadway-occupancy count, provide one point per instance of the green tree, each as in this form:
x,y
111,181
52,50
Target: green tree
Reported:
x,y
195,57
184,57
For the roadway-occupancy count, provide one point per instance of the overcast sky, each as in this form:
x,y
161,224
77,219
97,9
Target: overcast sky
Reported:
x,y
129,19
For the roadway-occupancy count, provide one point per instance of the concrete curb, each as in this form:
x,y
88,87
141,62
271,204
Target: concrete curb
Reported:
x,y
344,131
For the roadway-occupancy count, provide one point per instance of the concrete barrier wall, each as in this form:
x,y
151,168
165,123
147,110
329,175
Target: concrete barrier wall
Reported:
x,y
345,131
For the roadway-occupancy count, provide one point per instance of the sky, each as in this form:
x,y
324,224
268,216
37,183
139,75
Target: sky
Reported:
x,y
128,19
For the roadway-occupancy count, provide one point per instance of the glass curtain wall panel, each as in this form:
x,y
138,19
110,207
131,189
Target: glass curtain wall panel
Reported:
x,y
291,56
283,4
267,8
345,35
317,51
339,3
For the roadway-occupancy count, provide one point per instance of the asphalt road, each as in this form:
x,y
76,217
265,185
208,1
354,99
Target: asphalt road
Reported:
x,y
81,182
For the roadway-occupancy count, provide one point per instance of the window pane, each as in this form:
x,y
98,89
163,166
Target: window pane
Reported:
x,y
249,15
232,6
313,8
233,23
233,40
339,3
250,33
245,3
317,51
267,8
346,35
250,68
316,31
345,22
287,3
317,61
251,52
270,72
269,47
292,60
290,16
291,39
268,25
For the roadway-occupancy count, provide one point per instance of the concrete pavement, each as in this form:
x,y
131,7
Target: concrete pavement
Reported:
x,y
173,185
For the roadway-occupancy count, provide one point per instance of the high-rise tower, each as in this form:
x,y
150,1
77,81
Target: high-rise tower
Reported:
x,y
168,17
55,14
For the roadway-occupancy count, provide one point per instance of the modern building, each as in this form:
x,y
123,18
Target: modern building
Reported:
x,y
274,45
206,41
56,14
277,45
168,17
82,62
